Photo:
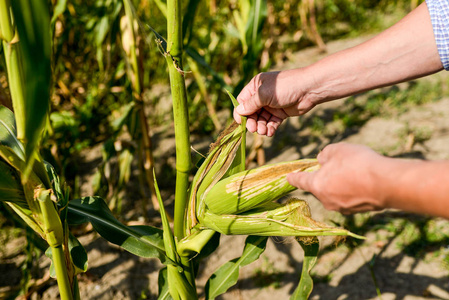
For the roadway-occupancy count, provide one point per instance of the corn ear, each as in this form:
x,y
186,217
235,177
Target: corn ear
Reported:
x,y
291,219
218,161
250,189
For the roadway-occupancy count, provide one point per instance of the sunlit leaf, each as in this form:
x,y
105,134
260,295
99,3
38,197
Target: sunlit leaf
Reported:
x,y
49,254
227,275
33,26
59,10
8,132
144,241
78,254
305,286
10,187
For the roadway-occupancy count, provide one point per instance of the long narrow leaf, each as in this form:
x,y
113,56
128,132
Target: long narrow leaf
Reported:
x,y
227,275
164,292
59,10
306,282
144,241
8,132
33,25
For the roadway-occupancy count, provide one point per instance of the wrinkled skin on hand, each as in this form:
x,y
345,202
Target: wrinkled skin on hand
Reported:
x,y
347,180
269,98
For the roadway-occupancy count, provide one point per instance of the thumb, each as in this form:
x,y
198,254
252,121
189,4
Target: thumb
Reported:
x,y
301,180
250,106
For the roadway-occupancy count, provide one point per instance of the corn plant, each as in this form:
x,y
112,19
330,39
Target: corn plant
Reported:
x,y
222,198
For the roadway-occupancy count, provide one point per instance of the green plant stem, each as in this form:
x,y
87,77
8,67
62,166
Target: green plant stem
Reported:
x,y
6,27
64,285
180,113
54,236
194,243
13,65
180,280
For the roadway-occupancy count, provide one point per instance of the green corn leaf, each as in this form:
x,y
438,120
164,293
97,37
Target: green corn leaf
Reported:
x,y
144,241
188,20
8,132
193,53
179,287
254,26
49,254
227,275
33,26
10,187
162,43
78,254
125,113
168,237
59,10
125,160
162,281
162,7
305,286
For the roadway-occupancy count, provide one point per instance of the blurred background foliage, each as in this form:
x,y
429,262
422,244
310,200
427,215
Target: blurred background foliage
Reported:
x,y
226,45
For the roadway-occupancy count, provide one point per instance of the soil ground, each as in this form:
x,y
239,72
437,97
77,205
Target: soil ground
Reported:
x,y
405,256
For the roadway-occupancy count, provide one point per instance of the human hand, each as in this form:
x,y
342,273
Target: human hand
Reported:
x,y
269,98
348,180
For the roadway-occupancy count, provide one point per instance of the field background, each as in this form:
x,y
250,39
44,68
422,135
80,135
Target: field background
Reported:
x,y
405,256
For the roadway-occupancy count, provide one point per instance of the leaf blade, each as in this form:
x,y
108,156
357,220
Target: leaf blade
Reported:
x,y
144,241
227,275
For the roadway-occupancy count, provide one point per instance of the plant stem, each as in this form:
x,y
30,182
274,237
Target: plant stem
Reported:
x,y
136,79
54,236
59,262
13,65
180,113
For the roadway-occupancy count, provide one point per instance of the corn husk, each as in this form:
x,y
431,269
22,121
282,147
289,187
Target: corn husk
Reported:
x,y
250,189
290,219
216,166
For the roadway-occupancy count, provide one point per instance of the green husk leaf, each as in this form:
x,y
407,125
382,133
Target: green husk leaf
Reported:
x,y
291,219
249,189
239,163
227,275
215,166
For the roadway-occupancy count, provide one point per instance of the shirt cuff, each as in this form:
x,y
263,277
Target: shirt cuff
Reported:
x,y
439,15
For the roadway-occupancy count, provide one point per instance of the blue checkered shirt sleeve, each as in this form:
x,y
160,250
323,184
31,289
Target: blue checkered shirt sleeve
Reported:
x,y
439,14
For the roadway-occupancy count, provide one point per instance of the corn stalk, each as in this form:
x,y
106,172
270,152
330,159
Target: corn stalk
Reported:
x,y
173,57
135,73
25,30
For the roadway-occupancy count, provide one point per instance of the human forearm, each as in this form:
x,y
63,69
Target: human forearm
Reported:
x,y
415,186
354,178
403,52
